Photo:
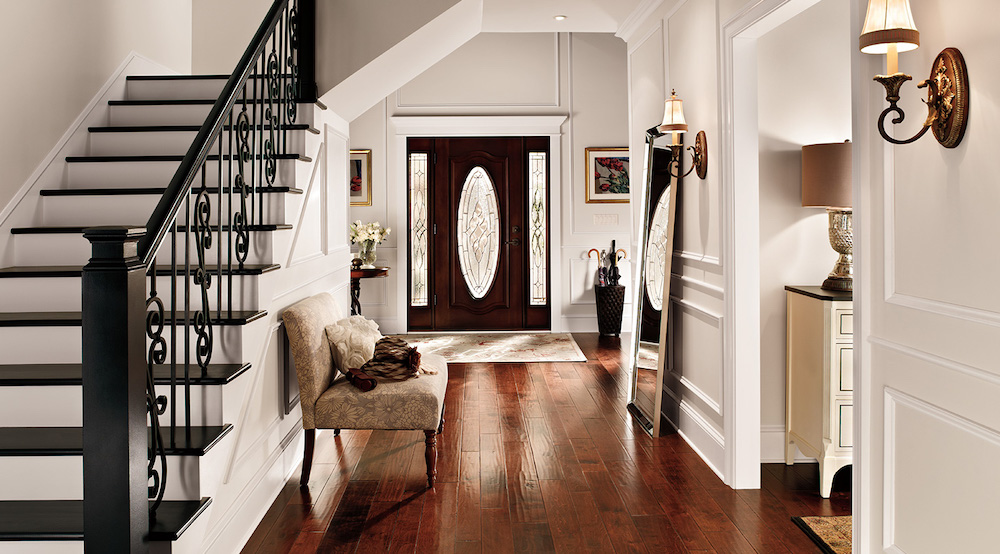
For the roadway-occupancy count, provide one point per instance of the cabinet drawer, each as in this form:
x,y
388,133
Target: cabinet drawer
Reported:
x,y
845,421
843,322
843,364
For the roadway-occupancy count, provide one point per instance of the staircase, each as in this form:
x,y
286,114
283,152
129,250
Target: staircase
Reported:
x,y
119,181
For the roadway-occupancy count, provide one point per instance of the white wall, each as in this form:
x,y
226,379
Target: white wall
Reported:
x,y
929,325
676,49
579,75
221,31
814,107
60,53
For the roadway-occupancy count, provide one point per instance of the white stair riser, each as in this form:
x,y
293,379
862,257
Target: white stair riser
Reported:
x,y
61,477
73,249
62,406
40,345
169,143
112,210
170,89
159,174
192,114
42,547
62,345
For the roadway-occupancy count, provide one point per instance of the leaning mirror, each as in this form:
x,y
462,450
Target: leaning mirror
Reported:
x,y
655,248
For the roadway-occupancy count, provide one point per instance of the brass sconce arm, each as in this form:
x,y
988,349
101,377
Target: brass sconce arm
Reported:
x,y
947,100
699,158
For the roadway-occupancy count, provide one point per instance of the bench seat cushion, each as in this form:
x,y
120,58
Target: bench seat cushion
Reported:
x,y
410,404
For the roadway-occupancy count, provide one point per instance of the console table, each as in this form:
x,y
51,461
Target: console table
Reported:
x,y
357,274
819,384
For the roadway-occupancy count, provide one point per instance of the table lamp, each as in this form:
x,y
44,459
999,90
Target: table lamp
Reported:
x,y
826,182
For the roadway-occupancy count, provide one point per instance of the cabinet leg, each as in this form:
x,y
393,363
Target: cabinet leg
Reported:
x,y
827,469
790,450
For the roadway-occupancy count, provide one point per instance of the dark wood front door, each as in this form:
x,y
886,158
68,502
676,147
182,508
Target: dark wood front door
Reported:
x,y
478,235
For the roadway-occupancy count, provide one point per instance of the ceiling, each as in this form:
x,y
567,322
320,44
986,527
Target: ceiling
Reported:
x,y
582,16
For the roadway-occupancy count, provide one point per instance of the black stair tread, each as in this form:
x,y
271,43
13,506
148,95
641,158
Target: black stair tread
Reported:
x,y
73,319
62,520
68,441
13,375
77,271
155,191
78,229
191,102
202,77
173,158
189,128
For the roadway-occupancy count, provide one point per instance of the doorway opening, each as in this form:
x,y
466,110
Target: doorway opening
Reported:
x,y
478,249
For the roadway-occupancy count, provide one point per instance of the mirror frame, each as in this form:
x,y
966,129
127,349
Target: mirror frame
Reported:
x,y
652,422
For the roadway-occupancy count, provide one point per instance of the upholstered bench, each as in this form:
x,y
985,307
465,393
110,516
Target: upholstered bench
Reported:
x,y
329,401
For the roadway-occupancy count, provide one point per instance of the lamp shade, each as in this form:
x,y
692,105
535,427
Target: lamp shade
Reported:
x,y
673,116
826,175
889,22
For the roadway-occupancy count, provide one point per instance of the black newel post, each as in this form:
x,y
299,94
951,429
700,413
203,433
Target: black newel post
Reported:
x,y
115,503
306,28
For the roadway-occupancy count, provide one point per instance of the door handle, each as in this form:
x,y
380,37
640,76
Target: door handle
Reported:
x,y
514,242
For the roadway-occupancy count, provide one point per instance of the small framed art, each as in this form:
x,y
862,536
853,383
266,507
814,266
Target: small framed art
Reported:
x,y
607,175
361,177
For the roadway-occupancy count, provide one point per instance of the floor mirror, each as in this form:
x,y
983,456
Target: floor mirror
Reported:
x,y
652,283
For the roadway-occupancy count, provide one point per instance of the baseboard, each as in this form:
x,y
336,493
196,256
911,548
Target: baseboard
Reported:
x,y
772,446
697,431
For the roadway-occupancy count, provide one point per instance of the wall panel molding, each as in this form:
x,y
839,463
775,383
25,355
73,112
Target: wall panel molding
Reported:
x,y
696,259
945,363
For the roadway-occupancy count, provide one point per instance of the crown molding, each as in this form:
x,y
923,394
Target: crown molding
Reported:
x,y
635,20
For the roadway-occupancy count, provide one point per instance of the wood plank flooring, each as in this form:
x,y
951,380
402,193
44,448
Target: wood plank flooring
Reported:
x,y
537,457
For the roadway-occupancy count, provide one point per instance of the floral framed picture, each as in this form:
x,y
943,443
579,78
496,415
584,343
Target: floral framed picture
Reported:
x,y
607,175
361,177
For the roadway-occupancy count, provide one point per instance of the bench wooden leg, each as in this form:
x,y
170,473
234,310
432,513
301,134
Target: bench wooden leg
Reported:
x,y
430,454
307,458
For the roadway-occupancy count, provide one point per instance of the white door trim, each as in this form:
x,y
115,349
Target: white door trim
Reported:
x,y
404,127
741,232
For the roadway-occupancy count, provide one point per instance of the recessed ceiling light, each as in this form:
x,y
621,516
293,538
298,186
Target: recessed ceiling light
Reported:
x,y
559,17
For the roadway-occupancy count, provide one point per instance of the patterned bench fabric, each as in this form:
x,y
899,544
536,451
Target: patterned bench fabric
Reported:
x,y
412,404
305,323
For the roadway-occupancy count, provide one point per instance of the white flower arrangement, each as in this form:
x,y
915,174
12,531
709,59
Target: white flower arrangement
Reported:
x,y
361,232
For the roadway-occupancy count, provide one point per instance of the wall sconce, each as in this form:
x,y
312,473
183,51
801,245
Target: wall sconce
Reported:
x,y
673,123
889,29
826,183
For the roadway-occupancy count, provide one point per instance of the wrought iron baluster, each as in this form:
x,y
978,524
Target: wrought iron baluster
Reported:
x,y
240,218
202,277
294,90
155,405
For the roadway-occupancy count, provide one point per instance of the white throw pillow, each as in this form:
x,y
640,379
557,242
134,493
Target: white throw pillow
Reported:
x,y
352,342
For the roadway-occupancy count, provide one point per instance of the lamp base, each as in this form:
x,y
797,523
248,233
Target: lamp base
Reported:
x,y
838,283
842,241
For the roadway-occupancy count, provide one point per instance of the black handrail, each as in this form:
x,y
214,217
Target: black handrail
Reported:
x,y
170,204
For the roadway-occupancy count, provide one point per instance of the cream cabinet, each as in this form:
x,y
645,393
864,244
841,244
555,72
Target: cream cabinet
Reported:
x,y
819,379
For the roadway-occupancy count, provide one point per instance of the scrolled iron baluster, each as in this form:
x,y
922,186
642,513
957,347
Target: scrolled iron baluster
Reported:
x,y
202,277
271,117
155,405
240,222
292,86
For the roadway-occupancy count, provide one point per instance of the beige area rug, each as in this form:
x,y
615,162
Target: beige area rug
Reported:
x,y
649,354
500,347
831,533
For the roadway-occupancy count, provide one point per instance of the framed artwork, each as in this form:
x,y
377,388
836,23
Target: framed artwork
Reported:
x,y
361,177
607,175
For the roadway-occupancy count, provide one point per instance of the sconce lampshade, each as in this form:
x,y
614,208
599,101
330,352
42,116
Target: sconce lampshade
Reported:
x,y
889,22
826,175
673,116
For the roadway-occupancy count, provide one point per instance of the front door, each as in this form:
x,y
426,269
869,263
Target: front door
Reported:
x,y
486,234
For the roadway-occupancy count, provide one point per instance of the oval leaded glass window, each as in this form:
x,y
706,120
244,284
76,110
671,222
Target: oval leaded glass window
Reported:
x,y
478,232
656,252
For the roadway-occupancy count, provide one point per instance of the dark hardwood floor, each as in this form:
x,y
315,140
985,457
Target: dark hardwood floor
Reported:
x,y
537,457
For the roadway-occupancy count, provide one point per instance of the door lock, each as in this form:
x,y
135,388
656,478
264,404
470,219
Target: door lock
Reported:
x,y
514,242
516,229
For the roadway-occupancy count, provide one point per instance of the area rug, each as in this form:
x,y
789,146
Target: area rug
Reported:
x,y
500,347
831,533
649,355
